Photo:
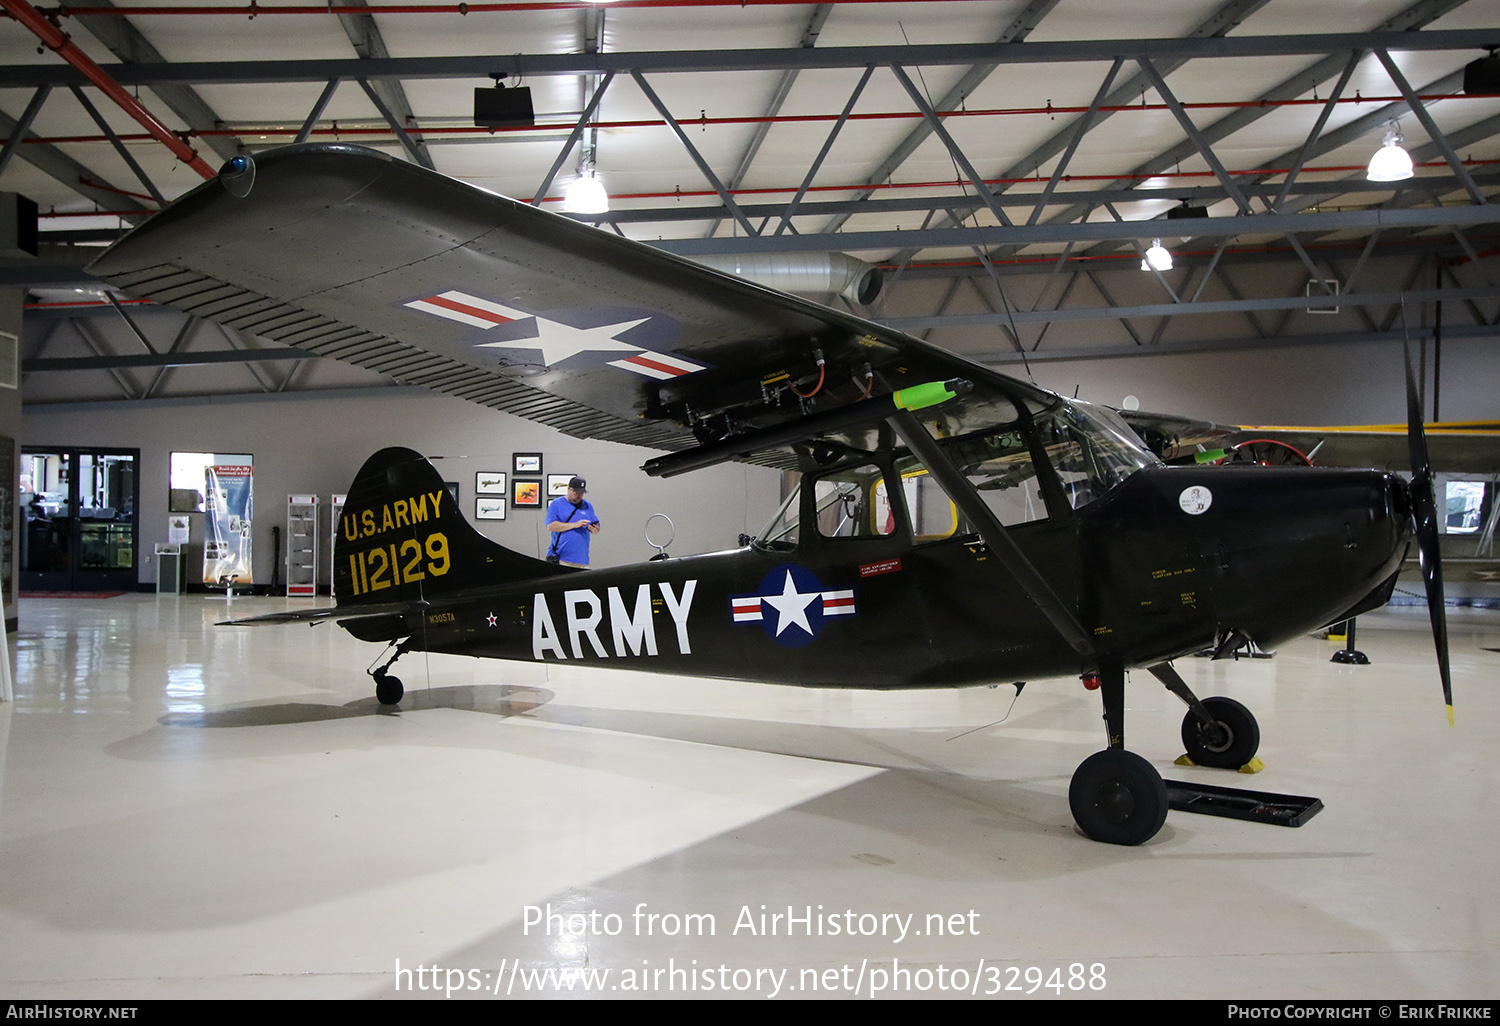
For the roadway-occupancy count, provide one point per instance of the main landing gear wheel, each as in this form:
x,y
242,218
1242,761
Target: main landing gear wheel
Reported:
x,y
1230,743
1118,798
388,689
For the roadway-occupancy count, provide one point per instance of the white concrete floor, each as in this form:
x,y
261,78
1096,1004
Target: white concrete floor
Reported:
x,y
192,811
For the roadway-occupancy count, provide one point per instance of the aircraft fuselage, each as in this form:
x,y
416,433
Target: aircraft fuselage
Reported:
x,y
1174,558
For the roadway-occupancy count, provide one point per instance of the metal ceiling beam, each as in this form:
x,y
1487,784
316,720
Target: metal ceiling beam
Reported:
x,y
119,147
1214,307
22,128
1407,23
59,42
812,171
921,204
1433,131
1016,32
65,268
409,141
1020,235
1223,345
125,41
572,141
1216,26
767,59
54,162
935,123
692,152
1022,199
783,88
388,95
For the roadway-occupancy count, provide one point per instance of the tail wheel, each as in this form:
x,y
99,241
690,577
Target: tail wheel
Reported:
x,y
388,689
1118,798
1229,743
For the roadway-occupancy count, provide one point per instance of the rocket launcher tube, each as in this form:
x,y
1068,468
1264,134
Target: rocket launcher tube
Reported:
x,y
914,397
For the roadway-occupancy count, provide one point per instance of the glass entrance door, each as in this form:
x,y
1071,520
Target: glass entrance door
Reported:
x,y
80,507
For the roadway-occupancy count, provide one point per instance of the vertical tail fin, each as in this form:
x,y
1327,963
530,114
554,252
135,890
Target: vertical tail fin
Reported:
x,y
402,538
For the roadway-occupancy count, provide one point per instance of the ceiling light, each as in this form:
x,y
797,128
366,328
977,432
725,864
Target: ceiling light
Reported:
x,y
586,195
1391,163
1157,258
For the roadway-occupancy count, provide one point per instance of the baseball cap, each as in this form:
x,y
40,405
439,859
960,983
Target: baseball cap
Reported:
x,y
578,484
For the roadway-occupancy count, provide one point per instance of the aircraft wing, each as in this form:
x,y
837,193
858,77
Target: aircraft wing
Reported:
x,y
1457,448
1471,447
349,253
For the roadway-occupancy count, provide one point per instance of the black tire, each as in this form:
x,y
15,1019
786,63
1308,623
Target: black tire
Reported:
x,y
388,689
1118,798
1237,746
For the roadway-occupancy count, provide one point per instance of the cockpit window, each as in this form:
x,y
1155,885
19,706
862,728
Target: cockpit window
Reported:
x,y
1000,468
853,504
849,502
1089,447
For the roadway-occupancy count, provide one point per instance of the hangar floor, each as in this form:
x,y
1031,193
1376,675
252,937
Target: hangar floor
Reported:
x,y
190,811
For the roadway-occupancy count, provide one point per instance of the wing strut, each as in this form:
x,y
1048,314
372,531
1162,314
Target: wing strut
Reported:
x,y
993,532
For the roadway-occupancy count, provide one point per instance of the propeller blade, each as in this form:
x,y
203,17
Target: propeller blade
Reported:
x,y
1425,515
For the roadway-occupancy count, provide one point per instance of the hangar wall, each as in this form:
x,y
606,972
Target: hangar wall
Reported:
x,y
11,306
1305,383
306,442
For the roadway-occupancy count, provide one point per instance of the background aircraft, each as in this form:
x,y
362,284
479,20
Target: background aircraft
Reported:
x,y
953,525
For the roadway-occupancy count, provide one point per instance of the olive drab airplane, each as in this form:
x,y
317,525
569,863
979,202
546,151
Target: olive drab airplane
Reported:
x,y
953,526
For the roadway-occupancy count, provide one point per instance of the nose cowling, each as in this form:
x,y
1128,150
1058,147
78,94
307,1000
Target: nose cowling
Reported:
x,y
1332,549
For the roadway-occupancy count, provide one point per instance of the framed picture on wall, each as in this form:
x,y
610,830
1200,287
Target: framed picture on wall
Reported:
x,y
526,463
489,507
557,484
489,482
526,494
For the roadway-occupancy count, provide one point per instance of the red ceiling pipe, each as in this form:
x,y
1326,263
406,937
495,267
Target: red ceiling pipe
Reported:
x,y
57,40
255,9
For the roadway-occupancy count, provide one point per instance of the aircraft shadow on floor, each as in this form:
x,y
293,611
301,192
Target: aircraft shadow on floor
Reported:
x,y
493,699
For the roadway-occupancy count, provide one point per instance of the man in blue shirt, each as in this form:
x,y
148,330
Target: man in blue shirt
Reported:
x,y
572,522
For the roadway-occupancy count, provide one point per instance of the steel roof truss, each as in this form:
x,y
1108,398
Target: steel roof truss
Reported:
x,y
317,111
692,151
114,140
1437,136
1083,125
20,129
791,208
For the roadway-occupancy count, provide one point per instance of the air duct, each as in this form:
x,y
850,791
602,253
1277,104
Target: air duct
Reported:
x,y
838,273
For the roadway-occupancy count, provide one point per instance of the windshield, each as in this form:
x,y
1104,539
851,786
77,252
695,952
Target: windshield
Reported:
x,y
1092,450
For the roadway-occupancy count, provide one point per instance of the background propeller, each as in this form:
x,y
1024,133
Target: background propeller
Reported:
x,y
1425,513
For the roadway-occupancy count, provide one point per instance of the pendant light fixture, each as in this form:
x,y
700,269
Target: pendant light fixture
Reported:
x,y
1391,163
1157,258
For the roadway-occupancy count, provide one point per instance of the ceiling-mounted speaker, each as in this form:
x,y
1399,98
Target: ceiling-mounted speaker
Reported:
x,y
500,107
18,225
1186,210
1482,77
